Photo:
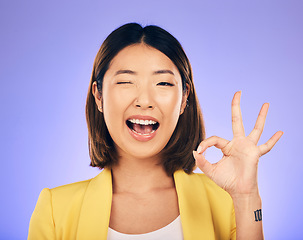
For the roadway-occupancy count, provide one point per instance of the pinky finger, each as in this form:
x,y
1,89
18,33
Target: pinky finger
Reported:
x,y
266,147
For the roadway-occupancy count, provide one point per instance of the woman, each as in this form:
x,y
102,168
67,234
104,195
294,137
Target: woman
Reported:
x,y
144,122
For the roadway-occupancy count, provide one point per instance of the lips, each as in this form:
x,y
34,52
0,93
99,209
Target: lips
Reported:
x,y
142,128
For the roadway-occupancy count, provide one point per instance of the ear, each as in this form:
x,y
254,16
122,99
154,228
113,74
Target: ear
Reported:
x,y
98,96
184,99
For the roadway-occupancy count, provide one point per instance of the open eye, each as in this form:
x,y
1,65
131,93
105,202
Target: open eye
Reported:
x,y
165,84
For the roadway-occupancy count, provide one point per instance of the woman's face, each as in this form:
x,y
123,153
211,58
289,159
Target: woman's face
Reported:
x,y
141,100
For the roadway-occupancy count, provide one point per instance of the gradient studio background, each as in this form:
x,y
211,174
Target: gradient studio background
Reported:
x,y
47,51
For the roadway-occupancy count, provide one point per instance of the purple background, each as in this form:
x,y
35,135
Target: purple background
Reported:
x,y
47,51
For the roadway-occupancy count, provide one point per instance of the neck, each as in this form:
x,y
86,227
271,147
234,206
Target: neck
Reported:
x,y
139,176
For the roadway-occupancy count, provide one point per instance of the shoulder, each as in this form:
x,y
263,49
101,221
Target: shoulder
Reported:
x,y
51,205
76,191
70,189
63,197
58,210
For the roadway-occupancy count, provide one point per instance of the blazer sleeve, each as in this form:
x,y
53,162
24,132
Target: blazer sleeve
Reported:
x,y
42,223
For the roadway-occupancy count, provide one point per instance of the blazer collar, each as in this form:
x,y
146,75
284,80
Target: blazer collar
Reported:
x,y
95,212
194,207
195,212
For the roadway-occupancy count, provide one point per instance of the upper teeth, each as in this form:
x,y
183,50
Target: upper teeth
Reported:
x,y
142,122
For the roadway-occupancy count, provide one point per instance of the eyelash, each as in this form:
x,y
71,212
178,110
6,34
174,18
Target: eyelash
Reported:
x,y
159,84
123,82
165,84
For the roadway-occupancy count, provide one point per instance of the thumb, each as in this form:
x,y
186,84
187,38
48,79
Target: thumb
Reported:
x,y
203,164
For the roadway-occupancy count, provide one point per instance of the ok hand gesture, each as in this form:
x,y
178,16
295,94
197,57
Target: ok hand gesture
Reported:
x,y
236,172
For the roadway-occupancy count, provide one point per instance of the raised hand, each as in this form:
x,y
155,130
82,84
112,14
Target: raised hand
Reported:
x,y
236,172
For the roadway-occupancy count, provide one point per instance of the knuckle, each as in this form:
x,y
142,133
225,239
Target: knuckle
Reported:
x,y
235,118
258,129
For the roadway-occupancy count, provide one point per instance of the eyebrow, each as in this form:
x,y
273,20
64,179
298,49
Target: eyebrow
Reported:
x,y
125,72
164,71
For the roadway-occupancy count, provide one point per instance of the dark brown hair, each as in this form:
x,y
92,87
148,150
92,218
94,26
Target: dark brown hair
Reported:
x,y
189,132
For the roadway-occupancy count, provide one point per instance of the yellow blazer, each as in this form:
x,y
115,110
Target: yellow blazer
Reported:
x,y
82,210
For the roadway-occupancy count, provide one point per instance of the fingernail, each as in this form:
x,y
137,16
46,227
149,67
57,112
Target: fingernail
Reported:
x,y
199,149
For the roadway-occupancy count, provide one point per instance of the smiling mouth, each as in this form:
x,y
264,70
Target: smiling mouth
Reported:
x,y
142,127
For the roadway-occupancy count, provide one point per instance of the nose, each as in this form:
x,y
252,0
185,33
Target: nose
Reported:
x,y
144,99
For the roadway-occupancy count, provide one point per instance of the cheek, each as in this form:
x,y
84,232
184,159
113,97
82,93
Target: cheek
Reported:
x,y
171,104
115,104
112,108
113,100
116,97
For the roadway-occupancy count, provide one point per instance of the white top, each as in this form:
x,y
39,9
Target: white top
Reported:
x,y
172,231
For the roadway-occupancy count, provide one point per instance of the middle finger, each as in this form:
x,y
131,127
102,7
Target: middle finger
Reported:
x,y
237,123
259,126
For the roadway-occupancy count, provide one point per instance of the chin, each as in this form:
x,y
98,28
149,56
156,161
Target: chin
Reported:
x,y
141,152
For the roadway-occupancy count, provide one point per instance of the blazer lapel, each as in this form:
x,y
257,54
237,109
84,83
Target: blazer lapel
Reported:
x,y
196,217
95,212
195,212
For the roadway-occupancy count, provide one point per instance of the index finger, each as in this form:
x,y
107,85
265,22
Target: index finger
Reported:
x,y
236,116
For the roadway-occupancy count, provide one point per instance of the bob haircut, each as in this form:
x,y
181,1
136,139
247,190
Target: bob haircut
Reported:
x,y
189,131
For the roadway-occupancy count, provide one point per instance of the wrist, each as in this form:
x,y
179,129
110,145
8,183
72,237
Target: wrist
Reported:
x,y
251,200
248,212
252,194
